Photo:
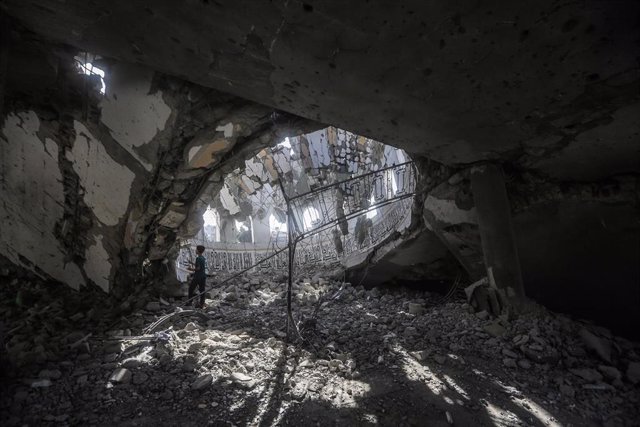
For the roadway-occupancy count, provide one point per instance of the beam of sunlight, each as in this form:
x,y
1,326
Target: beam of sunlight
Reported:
x,y
528,405
537,411
501,417
415,371
344,393
452,384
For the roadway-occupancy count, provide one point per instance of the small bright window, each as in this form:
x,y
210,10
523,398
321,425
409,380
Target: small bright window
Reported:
x,y
310,218
286,144
372,212
276,226
210,217
211,225
241,226
394,185
85,66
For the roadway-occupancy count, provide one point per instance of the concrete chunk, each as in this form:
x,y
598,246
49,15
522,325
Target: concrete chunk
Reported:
x,y
633,372
121,376
202,382
600,346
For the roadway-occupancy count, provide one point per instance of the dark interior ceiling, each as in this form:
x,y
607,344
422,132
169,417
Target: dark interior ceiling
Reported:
x,y
543,84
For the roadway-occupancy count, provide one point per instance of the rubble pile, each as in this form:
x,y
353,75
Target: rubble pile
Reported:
x,y
363,356
44,322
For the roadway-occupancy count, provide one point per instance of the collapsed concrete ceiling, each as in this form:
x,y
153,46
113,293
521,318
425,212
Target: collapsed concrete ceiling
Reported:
x,y
545,84
549,90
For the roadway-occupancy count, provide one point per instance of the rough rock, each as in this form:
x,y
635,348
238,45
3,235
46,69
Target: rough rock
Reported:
x,y
202,382
509,363
153,306
601,346
41,383
590,375
482,315
120,376
495,329
140,378
567,390
416,309
609,372
633,372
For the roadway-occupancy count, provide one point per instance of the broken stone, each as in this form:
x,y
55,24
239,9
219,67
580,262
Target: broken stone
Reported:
x,y
590,375
113,347
243,379
601,347
121,376
190,326
509,353
495,329
509,363
305,363
111,357
420,355
335,363
139,378
633,372
239,376
131,363
410,331
298,391
41,383
52,374
153,306
202,382
415,309
449,417
524,364
567,390
195,347
609,372
482,315
520,339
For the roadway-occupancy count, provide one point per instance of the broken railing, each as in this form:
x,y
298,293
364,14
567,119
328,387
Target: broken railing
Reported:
x,y
332,206
335,204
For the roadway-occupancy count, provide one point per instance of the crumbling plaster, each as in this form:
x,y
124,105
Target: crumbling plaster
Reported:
x,y
133,115
32,200
107,183
68,180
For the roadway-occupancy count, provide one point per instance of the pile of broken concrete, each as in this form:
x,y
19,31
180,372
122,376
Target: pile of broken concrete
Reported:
x,y
236,350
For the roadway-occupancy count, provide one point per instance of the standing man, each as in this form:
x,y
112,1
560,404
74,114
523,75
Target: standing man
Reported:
x,y
199,276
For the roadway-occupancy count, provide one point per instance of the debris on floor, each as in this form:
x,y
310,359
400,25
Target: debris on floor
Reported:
x,y
392,357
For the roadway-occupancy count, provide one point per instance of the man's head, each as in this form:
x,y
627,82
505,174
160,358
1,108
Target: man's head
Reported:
x,y
199,249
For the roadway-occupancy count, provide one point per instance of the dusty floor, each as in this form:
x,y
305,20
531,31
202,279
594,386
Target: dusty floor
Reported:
x,y
369,357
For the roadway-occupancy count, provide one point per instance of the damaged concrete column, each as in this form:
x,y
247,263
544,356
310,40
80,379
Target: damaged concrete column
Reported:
x,y
496,231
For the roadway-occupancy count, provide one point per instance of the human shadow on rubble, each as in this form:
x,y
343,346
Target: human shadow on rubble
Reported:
x,y
396,394
399,391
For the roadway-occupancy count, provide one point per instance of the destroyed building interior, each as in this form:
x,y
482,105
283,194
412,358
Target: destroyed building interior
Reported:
x,y
412,212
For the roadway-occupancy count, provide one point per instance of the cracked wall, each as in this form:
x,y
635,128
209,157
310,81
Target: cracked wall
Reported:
x,y
70,168
32,200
